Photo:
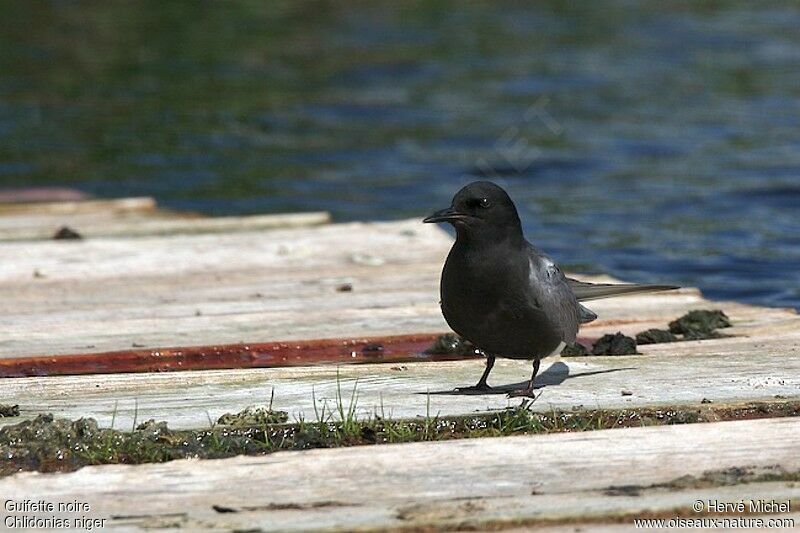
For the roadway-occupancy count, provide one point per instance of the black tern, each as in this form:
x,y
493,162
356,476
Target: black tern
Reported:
x,y
503,294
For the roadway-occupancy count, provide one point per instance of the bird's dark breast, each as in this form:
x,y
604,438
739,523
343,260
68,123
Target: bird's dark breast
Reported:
x,y
481,301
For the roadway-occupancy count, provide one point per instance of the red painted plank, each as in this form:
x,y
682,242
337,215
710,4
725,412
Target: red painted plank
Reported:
x,y
390,349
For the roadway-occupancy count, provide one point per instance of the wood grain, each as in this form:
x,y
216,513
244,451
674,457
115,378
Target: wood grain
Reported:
x,y
144,279
154,292
718,371
101,295
576,479
142,221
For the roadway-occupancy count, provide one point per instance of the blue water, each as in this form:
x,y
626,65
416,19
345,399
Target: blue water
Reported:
x,y
655,141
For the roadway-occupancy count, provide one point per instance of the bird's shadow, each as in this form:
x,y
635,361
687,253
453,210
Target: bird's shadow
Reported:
x,y
555,375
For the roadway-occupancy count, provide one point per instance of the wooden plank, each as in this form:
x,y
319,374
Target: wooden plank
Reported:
x,y
138,224
41,194
388,349
43,226
143,203
103,295
722,370
558,479
131,217
184,226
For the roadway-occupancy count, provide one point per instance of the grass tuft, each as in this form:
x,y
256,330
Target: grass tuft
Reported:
x,y
48,444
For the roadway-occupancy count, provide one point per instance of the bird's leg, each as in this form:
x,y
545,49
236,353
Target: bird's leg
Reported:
x,y
527,391
489,365
482,385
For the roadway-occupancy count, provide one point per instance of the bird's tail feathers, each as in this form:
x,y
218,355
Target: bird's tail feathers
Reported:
x,y
593,291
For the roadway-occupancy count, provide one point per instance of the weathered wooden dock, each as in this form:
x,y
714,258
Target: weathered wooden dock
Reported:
x,y
243,303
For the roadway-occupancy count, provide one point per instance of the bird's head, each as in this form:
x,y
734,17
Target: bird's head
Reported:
x,y
481,208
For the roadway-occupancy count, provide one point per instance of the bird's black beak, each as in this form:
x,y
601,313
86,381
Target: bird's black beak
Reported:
x,y
445,215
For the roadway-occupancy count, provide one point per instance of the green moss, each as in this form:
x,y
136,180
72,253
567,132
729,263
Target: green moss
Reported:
x,y
253,416
450,343
616,344
700,324
655,336
574,350
8,410
48,444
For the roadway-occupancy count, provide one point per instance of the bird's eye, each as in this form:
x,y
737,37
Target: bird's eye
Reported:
x,y
484,202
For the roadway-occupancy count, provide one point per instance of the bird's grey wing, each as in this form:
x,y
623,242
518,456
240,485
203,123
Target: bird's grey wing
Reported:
x,y
592,291
551,293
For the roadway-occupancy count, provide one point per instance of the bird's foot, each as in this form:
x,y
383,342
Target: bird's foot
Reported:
x,y
527,392
480,387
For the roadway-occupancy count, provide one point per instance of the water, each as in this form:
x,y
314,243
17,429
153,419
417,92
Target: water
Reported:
x,y
655,141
